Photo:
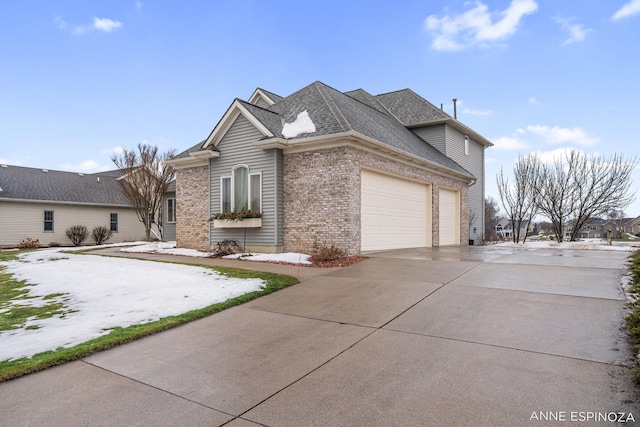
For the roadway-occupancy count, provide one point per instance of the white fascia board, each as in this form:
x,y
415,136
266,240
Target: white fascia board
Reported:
x,y
60,202
258,93
198,158
363,143
227,120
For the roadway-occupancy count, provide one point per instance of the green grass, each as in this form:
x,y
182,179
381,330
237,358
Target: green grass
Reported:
x,y
11,289
633,319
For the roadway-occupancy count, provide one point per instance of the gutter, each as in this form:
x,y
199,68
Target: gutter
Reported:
x,y
59,202
357,140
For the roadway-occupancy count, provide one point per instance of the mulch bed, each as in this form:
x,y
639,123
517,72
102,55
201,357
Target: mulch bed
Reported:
x,y
340,262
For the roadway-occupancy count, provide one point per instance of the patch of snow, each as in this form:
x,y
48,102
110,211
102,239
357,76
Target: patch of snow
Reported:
x,y
104,293
289,257
168,248
302,124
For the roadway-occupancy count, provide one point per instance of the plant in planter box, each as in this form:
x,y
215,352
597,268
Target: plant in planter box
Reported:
x,y
236,215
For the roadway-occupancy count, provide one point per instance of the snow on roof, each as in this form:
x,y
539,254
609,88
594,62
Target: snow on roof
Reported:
x,y
302,124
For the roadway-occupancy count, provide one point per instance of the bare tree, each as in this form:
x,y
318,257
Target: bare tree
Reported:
x,y
145,178
579,187
554,195
602,185
518,198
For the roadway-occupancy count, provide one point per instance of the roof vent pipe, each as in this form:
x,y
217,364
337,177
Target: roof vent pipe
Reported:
x,y
441,107
455,110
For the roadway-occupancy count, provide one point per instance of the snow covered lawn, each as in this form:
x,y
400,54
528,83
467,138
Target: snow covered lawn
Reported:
x,y
169,248
101,293
586,244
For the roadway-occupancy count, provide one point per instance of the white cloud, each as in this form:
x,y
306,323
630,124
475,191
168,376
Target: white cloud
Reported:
x,y
509,143
139,5
553,155
88,166
577,32
558,135
106,24
629,9
533,100
114,150
477,25
60,23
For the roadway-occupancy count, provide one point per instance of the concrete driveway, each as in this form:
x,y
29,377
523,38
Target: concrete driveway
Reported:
x,y
450,336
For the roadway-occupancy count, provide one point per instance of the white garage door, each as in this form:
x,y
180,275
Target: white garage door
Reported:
x,y
395,213
449,222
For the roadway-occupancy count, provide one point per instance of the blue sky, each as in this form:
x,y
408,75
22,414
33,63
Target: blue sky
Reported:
x,y
80,79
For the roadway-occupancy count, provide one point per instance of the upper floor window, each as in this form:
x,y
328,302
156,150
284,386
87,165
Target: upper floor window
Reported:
x,y
466,145
48,220
171,210
241,191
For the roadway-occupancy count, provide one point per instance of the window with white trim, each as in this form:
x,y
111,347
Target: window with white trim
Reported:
x,y
171,210
241,191
48,220
113,222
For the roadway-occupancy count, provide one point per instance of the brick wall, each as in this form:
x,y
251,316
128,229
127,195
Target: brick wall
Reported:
x,y
321,200
322,196
192,208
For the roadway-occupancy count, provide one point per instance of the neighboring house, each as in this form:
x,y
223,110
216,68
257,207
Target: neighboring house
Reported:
x,y
505,228
42,204
595,228
632,225
353,170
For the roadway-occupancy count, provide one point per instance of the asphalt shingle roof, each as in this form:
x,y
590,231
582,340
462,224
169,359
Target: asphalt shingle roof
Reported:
x,y
21,183
383,117
410,108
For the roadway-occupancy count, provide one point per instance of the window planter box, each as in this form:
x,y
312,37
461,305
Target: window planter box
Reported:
x,y
230,223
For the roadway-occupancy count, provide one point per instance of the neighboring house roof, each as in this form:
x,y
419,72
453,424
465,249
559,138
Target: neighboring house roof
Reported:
x,y
330,112
19,183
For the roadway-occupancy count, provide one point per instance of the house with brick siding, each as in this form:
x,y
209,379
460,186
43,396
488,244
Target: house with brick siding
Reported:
x,y
349,169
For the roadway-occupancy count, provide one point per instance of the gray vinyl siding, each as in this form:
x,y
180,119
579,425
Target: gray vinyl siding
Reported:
x,y
236,148
169,228
260,102
474,163
434,135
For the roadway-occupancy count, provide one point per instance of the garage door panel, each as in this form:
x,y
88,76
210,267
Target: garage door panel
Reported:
x,y
394,213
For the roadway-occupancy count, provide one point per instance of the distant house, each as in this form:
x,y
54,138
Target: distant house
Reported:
x,y
631,225
597,228
349,169
505,228
42,204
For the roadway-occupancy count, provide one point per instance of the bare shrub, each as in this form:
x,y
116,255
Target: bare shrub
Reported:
x,y
101,234
323,253
29,243
77,234
226,247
